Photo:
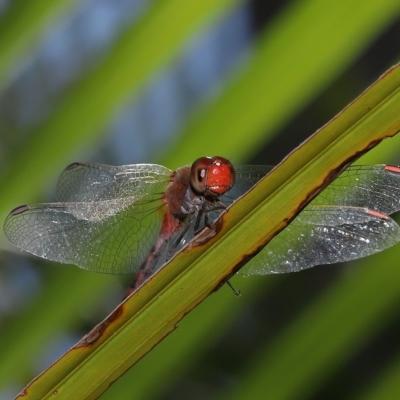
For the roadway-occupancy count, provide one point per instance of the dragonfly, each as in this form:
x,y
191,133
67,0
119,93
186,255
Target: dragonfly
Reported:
x,y
133,218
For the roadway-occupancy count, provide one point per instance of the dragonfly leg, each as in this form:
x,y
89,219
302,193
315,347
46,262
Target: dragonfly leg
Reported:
x,y
182,233
236,292
218,206
199,216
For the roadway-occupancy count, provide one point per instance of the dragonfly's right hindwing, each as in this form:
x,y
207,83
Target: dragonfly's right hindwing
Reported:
x,y
325,235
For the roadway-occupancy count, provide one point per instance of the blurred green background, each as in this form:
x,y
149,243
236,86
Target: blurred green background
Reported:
x,y
131,81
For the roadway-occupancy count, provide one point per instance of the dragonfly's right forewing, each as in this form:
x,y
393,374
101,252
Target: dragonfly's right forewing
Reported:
x,y
373,186
246,177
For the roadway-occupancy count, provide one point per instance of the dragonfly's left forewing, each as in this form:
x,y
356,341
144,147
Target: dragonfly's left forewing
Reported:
x,y
98,182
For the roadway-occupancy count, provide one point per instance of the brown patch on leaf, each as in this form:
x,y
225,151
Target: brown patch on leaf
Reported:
x,y
99,329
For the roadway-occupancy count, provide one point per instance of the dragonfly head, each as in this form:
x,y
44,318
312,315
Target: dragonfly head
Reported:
x,y
212,176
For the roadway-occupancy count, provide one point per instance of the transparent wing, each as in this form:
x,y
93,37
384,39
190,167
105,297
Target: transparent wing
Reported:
x,y
246,177
112,236
325,235
372,186
99,182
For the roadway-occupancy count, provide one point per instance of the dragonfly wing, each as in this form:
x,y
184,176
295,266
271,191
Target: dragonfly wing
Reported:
x,y
246,177
112,236
372,186
325,235
99,182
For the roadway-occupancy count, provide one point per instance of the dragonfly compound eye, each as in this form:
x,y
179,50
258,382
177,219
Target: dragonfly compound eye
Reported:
x,y
198,174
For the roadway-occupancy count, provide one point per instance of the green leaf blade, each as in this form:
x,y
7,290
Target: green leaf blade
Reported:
x,y
153,311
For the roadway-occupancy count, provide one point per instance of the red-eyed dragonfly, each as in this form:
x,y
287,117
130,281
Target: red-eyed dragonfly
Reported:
x,y
132,218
